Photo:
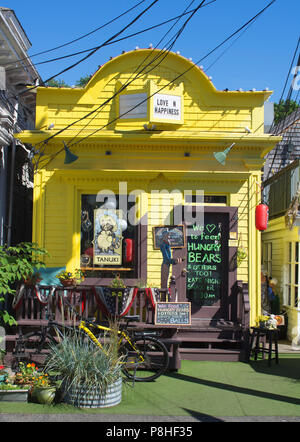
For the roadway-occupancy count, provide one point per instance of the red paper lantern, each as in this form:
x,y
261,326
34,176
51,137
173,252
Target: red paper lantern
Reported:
x,y
261,217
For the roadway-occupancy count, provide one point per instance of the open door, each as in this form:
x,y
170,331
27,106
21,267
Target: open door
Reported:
x,y
206,274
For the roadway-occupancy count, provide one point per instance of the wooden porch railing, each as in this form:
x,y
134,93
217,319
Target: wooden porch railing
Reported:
x,y
32,312
239,306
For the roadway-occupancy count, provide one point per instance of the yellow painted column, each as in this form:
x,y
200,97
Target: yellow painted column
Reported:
x,y
254,260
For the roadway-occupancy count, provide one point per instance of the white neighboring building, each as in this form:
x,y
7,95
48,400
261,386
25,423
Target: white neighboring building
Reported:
x,y
17,112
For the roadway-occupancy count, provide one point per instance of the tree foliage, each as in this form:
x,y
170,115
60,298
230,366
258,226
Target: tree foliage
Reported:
x,y
82,82
283,109
17,263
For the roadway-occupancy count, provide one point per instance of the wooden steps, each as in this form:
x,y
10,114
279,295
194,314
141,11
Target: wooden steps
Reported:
x,y
211,340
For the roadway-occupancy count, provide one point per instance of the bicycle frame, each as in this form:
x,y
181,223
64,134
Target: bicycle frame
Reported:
x,y
121,333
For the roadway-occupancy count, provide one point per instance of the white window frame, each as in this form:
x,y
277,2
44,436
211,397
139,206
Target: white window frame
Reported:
x,y
267,257
292,276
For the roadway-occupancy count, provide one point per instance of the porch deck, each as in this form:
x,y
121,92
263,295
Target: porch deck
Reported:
x,y
203,340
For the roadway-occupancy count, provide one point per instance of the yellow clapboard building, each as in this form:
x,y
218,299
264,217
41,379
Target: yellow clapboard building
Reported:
x,y
154,138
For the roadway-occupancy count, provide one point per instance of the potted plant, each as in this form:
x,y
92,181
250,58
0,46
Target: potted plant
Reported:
x,y
10,392
3,375
42,389
26,374
68,279
117,286
116,296
16,388
91,377
265,321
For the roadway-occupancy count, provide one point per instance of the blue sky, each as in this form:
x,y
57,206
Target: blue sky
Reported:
x,y
260,58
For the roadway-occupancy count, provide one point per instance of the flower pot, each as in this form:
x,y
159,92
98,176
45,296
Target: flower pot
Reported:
x,y
68,282
13,395
92,398
44,395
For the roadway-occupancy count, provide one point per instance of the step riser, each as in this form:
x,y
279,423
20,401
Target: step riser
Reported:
x,y
212,357
221,334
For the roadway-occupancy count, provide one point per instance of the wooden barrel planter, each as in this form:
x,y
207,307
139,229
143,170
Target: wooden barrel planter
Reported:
x,y
91,398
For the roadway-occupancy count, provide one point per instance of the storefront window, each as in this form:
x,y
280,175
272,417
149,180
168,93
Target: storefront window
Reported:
x,y
207,199
267,258
108,243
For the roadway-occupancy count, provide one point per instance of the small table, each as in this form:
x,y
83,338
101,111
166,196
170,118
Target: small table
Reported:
x,y
267,336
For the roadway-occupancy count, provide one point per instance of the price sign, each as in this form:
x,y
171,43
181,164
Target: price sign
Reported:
x,y
173,313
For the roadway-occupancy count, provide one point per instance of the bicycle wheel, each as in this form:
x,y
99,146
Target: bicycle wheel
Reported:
x,y
145,360
33,346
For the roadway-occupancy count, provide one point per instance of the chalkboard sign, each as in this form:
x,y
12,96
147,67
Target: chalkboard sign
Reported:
x,y
173,313
206,261
177,236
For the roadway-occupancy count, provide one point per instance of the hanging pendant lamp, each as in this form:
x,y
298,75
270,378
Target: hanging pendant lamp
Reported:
x,y
70,157
221,156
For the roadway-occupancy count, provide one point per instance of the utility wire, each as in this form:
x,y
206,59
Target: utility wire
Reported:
x,y
289,95
92,52
171,43
150,28
174,79
191,67
79,38
106,101
161,52
120,39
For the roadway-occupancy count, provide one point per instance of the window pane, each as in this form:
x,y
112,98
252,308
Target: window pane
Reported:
x,y
290,274
296,251
270,252
296,296
289,295
104,239
296,273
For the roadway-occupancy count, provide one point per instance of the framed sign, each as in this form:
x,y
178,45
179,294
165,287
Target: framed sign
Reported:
x,y
107,237
177,236
166,107
173,313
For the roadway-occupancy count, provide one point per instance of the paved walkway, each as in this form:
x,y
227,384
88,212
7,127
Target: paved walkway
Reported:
x,y
106,418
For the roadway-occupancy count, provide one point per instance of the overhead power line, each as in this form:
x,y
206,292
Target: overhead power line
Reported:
x,y
188,69
78,38
137,72
150,28
106,101
172,81
162,53
92,52
288,98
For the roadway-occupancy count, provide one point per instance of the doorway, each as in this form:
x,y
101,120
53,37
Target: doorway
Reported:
x,y
208,258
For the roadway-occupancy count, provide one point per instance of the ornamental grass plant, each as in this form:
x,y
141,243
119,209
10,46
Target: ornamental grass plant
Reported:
x,y
83,365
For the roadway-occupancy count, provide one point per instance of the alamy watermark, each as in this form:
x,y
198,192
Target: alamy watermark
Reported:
x,y
169,205
296,80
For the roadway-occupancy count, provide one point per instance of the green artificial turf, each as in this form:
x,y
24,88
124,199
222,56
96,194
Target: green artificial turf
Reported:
x,y
203,388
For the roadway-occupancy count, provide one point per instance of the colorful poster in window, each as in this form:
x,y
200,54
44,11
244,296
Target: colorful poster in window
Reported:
x,y
108,237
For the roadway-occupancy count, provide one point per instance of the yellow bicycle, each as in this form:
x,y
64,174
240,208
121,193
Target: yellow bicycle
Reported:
x,y
145,356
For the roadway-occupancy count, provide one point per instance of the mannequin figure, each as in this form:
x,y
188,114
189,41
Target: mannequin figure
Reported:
x,y
167,258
